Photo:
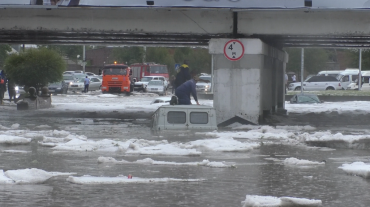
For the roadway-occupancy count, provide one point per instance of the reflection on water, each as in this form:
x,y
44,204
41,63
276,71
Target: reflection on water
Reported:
x,y
254,175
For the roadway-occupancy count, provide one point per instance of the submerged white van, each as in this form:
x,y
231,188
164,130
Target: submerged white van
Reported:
x,y
184,117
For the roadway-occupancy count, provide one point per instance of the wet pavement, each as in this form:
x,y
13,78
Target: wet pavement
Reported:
x,y
253,175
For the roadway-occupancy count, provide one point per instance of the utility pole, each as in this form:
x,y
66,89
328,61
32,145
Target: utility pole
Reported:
x,y
83,59
144,56
302,68
359,72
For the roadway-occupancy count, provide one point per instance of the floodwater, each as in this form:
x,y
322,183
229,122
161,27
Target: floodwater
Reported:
x,y
254,174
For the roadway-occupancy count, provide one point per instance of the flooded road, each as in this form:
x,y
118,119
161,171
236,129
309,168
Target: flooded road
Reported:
x,y
257,172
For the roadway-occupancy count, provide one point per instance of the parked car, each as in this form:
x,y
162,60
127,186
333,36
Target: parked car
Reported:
x,y
60,87
161,100
142,84
204,86
90,74
78,76
79,85
69,72
19,89
68,79
317,83
156,86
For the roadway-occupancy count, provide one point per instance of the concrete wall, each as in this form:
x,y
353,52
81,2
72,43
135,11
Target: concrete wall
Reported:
x,y
248,88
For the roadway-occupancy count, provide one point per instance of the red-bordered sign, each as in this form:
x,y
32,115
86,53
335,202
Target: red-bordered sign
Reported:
x,y
234,50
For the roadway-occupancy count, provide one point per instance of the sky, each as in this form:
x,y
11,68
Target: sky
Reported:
x,y
239,138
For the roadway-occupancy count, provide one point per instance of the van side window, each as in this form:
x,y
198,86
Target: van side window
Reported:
x,y
198,118
354,77
176,117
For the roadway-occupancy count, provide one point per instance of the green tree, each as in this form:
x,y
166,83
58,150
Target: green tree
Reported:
x,y
314,60
161,55
35,67
200,61
70,51
365,59
181,54
4,49
128,55
199,58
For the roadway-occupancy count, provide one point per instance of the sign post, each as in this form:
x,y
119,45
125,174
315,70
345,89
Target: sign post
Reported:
x,y
177,67
234,50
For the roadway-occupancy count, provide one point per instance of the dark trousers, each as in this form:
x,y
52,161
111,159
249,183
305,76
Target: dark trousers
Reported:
x,y
1,93
183,99
12,94
86,89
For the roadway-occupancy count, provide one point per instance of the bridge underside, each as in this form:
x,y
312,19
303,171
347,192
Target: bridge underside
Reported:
x,y
184,26
116,38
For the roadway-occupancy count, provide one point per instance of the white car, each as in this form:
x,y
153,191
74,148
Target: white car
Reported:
x,y
161,100
90,74
142,84
79,85
204,86
317,83
156,86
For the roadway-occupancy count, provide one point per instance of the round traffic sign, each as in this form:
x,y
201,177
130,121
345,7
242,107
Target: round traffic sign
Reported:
x,y
234,50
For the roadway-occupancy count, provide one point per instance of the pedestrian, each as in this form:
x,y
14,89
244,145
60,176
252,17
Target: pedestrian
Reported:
x,y
286,82
2,85
172,82
294,78
184,90
11,90
87,83
183,75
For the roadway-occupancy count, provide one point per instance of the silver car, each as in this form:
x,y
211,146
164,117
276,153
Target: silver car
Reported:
x,y
156,86
79,85
204,86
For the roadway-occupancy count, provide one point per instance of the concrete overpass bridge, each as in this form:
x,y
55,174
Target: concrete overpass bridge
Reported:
x,y
246,86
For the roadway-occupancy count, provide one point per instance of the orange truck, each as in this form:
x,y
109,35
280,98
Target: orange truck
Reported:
x,y
116,79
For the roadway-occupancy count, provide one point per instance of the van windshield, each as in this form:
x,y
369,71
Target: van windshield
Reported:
x,y
340,76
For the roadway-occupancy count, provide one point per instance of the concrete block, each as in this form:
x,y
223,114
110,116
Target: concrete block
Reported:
x,y
40,102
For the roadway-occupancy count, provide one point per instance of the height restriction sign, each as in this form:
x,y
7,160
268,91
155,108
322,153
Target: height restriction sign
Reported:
x,y
234,50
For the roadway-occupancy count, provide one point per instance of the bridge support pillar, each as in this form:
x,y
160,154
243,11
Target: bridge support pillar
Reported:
x,y
247,89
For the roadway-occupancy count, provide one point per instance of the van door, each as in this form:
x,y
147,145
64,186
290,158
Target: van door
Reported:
x,y
345,81
311,84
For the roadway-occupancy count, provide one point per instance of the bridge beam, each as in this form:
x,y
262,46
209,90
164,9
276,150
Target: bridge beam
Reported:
x,y
251,87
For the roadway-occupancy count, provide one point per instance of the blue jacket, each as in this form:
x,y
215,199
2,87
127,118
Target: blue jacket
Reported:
x,y
183,75
188,88
87,81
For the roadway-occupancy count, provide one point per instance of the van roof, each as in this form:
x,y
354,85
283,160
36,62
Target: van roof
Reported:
x,y
185,107
192,106
330,71
349,72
